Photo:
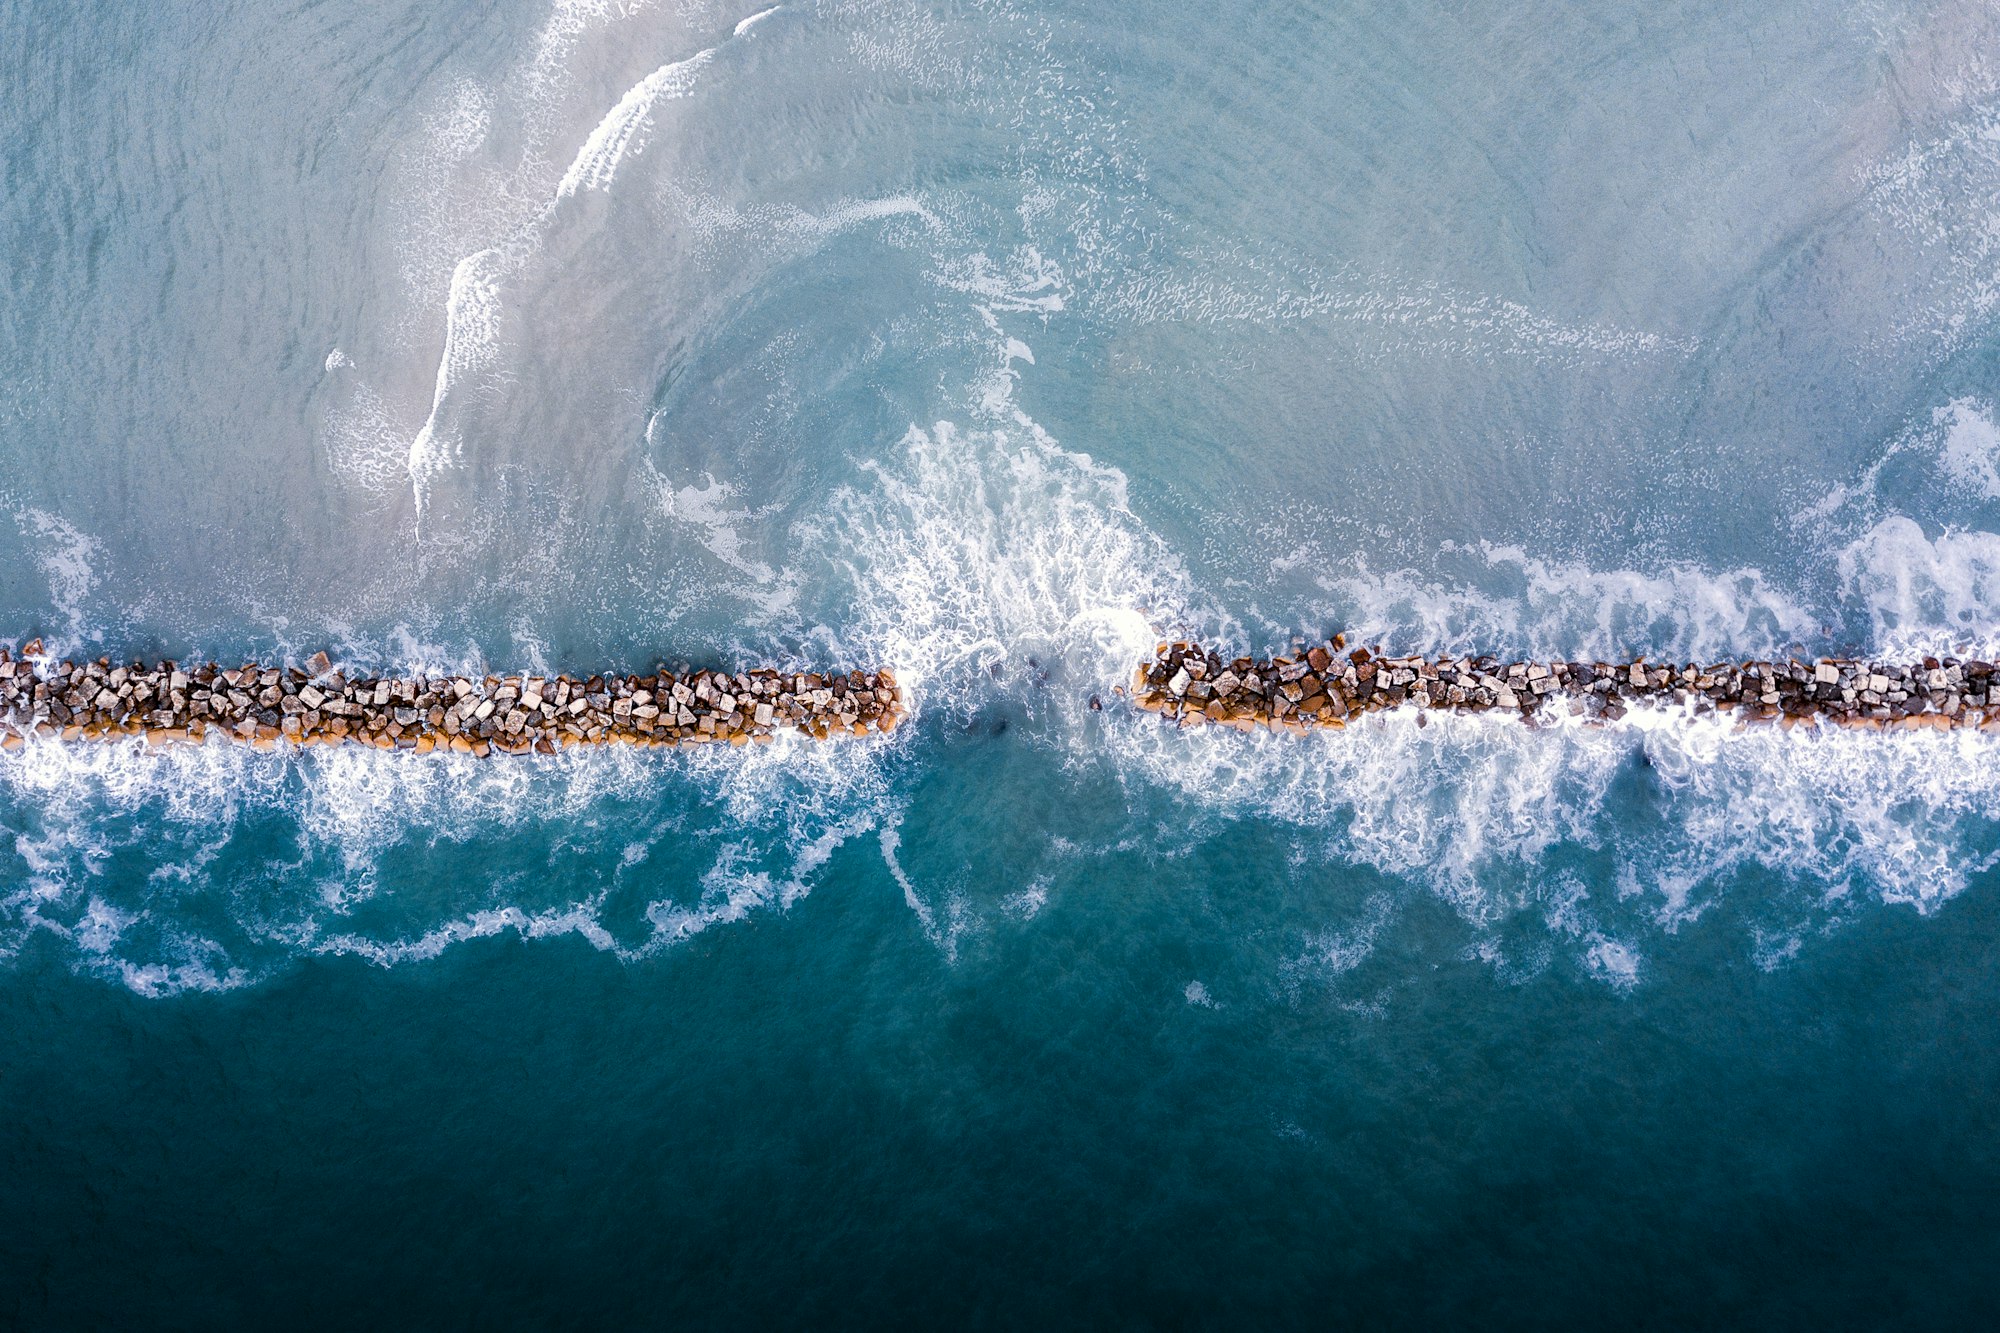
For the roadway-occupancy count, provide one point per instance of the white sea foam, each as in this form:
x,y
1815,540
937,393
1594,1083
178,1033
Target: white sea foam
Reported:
x,y
975,550
471,346
1926,595
568,23
1026,283
708,215
1933,207
915,45
473,306
68,559
1612,962
1921,594
474,926
1483,809
942,926
1523,603
202,919
735,887
1412,316
1958,445
707,509
1027,904
366,446
465,121
747,24
623,129
1338,951
1970,450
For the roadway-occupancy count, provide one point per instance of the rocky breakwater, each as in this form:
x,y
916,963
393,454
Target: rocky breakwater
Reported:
x,y
520,714
1327,686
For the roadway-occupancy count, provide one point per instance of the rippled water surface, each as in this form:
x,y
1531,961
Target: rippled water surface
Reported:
x,y
988,342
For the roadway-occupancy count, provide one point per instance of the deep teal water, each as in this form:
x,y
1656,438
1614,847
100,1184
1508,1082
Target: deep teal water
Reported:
x,y
814,1123
988,341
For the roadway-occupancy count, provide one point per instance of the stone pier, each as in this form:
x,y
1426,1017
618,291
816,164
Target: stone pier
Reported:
x,y
1328,686
318,704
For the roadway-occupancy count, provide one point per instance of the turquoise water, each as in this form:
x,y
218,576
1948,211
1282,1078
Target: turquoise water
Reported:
x,y
987,342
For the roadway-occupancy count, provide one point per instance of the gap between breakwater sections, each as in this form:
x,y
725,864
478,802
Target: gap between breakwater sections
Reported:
x,y
1326,686
518,714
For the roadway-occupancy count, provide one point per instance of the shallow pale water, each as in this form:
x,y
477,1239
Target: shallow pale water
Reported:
x,y
987,342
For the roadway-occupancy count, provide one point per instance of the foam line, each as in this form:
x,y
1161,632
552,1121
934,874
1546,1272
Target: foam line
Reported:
x,y
624,127
754,20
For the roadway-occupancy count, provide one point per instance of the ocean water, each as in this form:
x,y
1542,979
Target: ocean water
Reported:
x,y
988,341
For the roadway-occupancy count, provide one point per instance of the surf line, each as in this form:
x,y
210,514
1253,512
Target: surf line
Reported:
x,y
1326,687
317,704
